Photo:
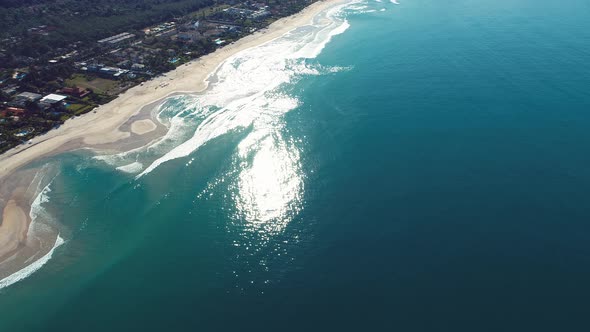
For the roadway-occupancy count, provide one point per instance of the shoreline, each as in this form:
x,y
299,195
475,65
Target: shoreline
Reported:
x,y
112,126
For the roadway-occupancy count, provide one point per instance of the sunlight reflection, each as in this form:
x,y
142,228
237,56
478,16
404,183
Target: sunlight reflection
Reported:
x,y
270,183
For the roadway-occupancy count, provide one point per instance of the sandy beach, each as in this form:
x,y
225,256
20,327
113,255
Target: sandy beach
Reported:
x,y
141,127
13,229
104,127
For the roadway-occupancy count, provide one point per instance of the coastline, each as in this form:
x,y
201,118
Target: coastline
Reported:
x,y
110,127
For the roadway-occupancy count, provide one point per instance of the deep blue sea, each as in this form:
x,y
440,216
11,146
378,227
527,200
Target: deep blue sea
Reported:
x,y
414,167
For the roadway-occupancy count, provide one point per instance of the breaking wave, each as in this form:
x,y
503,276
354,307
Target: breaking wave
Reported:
x,y
38,231
134,167
247,94
32,268
245,89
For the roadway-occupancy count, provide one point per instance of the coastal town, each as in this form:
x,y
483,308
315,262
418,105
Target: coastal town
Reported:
x,y
41,89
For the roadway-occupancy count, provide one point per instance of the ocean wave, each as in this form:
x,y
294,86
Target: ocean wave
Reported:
x,y
358,8
363,7
38,231
248,94
180,114
367,7
238,91
245,89
134,167
31,268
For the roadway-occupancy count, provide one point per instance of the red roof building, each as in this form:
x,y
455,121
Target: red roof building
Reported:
x,y
11,111
76,92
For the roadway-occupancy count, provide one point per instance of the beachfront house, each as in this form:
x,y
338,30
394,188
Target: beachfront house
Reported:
x,y
23,98
52,101
77,92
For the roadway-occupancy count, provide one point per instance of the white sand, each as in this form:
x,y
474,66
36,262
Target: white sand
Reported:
x,y
13,230
142,127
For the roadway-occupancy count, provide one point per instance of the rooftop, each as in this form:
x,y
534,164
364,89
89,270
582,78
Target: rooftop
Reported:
x,y
29,96
53,98
117,38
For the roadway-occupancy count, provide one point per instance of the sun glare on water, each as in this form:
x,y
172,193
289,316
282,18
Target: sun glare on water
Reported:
x,y
270,184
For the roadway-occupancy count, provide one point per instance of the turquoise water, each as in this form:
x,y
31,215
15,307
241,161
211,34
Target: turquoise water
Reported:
x,y
427,171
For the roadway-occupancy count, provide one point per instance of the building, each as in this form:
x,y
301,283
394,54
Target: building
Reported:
x,y
52,99
239,12
124,64
104,71
76,92
212,33
259,14
19,75
138,67
21,100
10,90
116,39
11,111
189,37
28,96
25,132
112,72
161,28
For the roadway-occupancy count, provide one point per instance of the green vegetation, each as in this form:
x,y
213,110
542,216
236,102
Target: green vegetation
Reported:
x,y
69,21
78,109
97,84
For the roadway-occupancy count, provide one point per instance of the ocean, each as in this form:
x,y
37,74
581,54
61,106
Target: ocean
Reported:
x,y
420,166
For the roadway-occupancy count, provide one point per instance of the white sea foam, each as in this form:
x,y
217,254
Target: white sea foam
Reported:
x,y
358,8
37,230
134,167
31,268
179,114
245,92
362,7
